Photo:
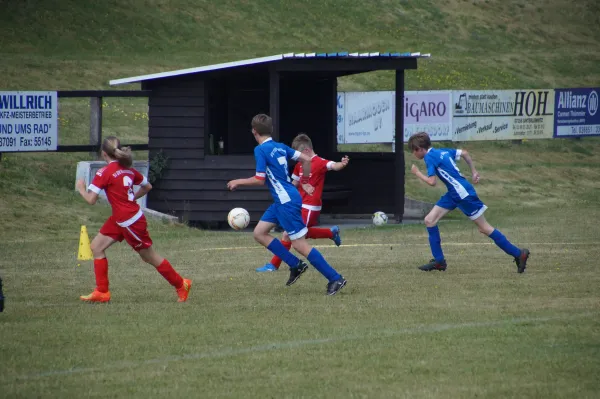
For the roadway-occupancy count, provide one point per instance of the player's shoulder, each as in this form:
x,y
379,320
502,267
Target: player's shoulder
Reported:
x,y
432,153
107,170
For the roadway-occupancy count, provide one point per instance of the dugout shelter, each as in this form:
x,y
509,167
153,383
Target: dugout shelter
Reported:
x,y
200,119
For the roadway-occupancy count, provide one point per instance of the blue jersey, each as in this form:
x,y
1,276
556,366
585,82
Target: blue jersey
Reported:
x,y
441,163
272,164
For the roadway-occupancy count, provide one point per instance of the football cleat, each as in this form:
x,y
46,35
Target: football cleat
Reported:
x,y
434,265
335,230
296,272
96,296
521,260
335,286
184,291
267,268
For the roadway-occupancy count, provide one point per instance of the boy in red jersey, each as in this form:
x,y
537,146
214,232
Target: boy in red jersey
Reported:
x,y
311,203
127,221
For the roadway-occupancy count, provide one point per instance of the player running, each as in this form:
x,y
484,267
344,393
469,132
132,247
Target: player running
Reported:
x,y
286,210
461,194
311,203
127,221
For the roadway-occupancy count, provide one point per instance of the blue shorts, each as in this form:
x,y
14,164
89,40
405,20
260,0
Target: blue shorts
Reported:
x,y
288,216
471,206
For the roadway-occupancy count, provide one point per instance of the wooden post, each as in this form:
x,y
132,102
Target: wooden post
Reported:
x,y
96,124
274,101
399,154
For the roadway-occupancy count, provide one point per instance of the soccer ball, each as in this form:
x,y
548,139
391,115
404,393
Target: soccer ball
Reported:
x,y
379,218
238,218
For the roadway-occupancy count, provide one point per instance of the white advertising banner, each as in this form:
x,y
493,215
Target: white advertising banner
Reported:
x,y
368,117
503,114
341,132
28,121
428,111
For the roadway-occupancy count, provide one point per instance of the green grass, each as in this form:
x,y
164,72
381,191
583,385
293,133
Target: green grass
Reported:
x,y
478,330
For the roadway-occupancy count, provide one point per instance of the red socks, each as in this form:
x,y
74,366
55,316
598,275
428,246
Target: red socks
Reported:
x,y
276,261
319,232
101,272
167,271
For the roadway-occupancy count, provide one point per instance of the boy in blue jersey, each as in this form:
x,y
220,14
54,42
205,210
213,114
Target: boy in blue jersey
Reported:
x,y
286,210
461,194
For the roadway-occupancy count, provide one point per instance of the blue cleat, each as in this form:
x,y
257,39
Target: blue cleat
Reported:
x,y
267,268
336,235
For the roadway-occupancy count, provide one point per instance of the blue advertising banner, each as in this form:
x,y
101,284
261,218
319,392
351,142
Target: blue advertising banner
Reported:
x,y
576,112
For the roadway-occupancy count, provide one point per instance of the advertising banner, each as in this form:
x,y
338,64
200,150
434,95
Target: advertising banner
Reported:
x,y
576,113
502,114
28,121
368,117
341,132
428,111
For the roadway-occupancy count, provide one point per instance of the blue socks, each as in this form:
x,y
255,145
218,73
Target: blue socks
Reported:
x,y
318,261
277,248
505,245
435,242
314,257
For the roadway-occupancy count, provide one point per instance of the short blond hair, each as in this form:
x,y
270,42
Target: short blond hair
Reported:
x,y
302,142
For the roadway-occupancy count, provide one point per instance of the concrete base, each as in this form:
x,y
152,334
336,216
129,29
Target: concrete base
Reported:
x,y
87,171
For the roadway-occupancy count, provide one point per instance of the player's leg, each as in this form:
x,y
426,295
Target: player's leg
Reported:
x,y
108,235
275,261
520,255
138,238
163,266
442,207
294,225
312,219
262,236
335,281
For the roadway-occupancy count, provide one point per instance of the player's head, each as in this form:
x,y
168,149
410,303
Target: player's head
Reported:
x,y
302,143
262,126
112,151
418,144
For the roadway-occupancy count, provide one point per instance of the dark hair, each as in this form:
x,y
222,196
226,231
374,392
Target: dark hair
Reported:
x,y
302,142
112,147
419,140
263,124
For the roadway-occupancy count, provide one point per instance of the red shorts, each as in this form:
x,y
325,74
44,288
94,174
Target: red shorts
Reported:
x,y
136,234
311,218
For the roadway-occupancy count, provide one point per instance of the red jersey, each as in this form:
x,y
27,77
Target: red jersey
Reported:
x,y
318,169
118,183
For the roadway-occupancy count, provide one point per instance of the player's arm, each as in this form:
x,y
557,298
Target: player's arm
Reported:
x,y
431,180
90,196
306,165
250,181
337,166
258,179
296,175
145,186
464,154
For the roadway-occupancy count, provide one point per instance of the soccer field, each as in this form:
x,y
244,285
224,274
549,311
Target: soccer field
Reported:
x,y
476,330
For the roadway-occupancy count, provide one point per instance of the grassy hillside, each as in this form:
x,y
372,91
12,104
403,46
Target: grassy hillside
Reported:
x,y
475,44
480,44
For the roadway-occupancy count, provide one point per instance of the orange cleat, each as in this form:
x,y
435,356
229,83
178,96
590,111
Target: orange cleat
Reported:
x,y
184,291
96,296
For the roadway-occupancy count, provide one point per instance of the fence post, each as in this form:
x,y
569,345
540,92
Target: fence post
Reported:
x,y
96,124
